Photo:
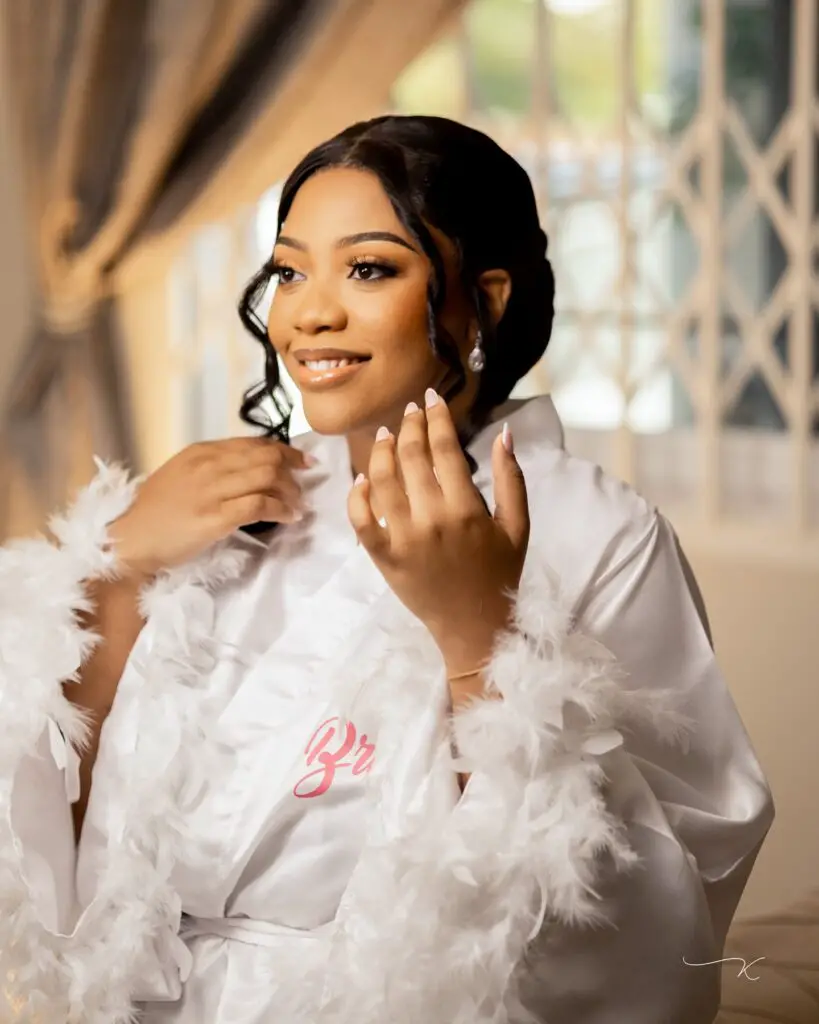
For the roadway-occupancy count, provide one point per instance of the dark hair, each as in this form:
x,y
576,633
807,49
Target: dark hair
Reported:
x,y
441,173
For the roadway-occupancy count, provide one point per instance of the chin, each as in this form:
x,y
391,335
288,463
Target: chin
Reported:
x,y
331,415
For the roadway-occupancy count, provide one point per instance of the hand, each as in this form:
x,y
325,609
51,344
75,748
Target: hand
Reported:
x,y
450,562
201,495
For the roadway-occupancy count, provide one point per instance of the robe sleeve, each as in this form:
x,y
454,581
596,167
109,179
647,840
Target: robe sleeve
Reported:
x,y
682,791
48,941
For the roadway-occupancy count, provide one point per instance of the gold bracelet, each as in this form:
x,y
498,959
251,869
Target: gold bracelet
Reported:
x,y
464,675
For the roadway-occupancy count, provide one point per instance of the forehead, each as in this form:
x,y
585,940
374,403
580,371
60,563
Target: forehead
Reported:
x,y
340,201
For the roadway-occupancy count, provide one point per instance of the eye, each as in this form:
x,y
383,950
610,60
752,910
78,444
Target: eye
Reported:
x,y
283,274
370,270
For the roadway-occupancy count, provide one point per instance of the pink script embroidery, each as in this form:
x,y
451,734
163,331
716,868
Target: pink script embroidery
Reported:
x,y
320,780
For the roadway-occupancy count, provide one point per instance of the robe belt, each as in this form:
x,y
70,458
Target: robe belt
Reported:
x,y
249,930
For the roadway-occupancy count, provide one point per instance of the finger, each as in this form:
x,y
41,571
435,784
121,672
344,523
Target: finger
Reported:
x,y
230,473
255,508
247,446
385,487
372,536
511,500
415,459
277,481
448,457
271,459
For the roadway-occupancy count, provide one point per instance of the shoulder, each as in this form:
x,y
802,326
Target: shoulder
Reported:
x,y
586,523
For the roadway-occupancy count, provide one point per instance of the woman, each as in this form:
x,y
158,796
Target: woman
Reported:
x,y
384,754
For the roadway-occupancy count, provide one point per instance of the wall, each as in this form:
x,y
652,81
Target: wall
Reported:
x,y
765,620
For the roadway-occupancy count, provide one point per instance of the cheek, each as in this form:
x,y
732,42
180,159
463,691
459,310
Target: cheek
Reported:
x,y
456,314
393,318
401,302
392,314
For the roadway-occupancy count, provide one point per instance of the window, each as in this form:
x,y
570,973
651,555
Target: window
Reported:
x,y
672,145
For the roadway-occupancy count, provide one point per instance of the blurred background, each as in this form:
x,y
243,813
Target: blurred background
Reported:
x,y
673,148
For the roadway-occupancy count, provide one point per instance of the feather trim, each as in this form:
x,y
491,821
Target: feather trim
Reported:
x,y
448,892
437,921
131,925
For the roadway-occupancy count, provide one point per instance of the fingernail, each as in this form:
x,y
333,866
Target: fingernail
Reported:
x,y
430,397
359,479
297,515
382,434
410,409
507,440
310,460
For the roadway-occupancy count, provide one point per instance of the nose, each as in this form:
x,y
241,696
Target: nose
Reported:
x,y
319,310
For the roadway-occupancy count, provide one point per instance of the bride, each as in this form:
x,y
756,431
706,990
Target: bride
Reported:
x,y
414,719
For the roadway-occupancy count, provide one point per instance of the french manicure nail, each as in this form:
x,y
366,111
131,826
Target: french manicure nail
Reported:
x,y
382,434
430,397
410,409
360,479
507,440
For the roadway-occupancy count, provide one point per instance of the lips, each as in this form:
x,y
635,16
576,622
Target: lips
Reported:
x,y
316,374
313,355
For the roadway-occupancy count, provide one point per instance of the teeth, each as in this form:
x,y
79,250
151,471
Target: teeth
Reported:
x,y
328,364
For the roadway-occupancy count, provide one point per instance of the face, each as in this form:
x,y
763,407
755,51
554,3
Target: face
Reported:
x,y
352,285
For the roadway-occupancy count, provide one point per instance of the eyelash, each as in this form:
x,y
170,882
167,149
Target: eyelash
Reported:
x,y
386,270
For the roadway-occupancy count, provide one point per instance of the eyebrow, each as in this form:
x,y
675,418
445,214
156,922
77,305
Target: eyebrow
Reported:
x,y
347,240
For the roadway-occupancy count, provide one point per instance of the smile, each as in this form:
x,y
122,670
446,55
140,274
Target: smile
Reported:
x,y
320,373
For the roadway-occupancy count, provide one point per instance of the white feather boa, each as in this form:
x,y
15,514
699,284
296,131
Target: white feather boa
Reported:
x,y
444,901
89,976
435,923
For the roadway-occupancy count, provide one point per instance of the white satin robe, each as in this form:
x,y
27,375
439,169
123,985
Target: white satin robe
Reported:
x,y
265,848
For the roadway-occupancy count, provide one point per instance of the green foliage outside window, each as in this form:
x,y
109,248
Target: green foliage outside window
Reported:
x,y
585,72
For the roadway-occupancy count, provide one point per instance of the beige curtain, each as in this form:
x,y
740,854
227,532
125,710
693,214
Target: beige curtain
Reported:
x,y
137,121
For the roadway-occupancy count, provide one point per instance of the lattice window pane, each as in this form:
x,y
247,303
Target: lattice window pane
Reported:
x,y
436,82
499,57
584,62
672,146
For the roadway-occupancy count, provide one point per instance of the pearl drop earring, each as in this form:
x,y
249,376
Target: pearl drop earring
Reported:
x,y
476,360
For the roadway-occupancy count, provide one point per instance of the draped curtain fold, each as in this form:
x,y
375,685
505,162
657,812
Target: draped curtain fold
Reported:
x,y
132,117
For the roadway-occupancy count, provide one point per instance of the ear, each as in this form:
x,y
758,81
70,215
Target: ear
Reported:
x,y
497,287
